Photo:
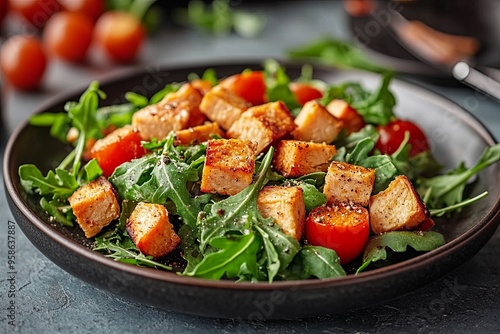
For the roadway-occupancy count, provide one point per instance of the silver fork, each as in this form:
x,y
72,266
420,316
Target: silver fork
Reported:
x,y
459,65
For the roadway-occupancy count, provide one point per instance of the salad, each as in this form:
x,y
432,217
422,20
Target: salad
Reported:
x,y
251,177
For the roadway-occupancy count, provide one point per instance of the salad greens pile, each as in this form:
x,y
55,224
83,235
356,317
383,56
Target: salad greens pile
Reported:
x,y
226,236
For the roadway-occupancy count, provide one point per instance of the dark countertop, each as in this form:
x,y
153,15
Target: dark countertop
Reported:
x,y
49,300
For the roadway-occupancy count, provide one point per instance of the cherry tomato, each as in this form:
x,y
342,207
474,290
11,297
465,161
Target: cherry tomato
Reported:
x,y
68,35
426,225
90,8
392,135
120,35
121,145
345,228
23,61
35,12
248,85
304,92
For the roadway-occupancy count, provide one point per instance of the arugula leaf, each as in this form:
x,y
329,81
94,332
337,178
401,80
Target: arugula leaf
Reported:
x,y
272,257
334,52
208,75
278,85
312,196
315,262
117,115
375,107
136,100
190,247
350,141
235,252
55,208
284,246
318,178
310,185
57,184
128,177
83,118
121,248
458,206
423,163
59,123
90,171
169,182
378,107
447,190
170,88
157,177
398,241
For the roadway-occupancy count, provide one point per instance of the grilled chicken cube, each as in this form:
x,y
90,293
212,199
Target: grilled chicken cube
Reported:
x,y
204,86
295,158
95,205
158,120
399,207
349,183
151,230
286,206
352,120
315,123
229,166
264,124
176,111
197,134
223,106
191,94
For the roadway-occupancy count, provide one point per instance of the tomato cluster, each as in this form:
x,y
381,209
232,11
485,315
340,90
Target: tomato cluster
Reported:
x,y
67,30
252,87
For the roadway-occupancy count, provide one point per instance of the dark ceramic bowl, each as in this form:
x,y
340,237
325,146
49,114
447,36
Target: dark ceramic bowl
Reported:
x,y
455,136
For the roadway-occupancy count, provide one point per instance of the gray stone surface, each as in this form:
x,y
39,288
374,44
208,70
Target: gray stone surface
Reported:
x,y
49,300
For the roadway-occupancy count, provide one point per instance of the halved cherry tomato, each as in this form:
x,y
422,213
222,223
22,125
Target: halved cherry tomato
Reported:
x,y
90,8
68,35
121,145
352,120
36,12
120,35
248,85
426,225
23,61
392,135
345,228
304,92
